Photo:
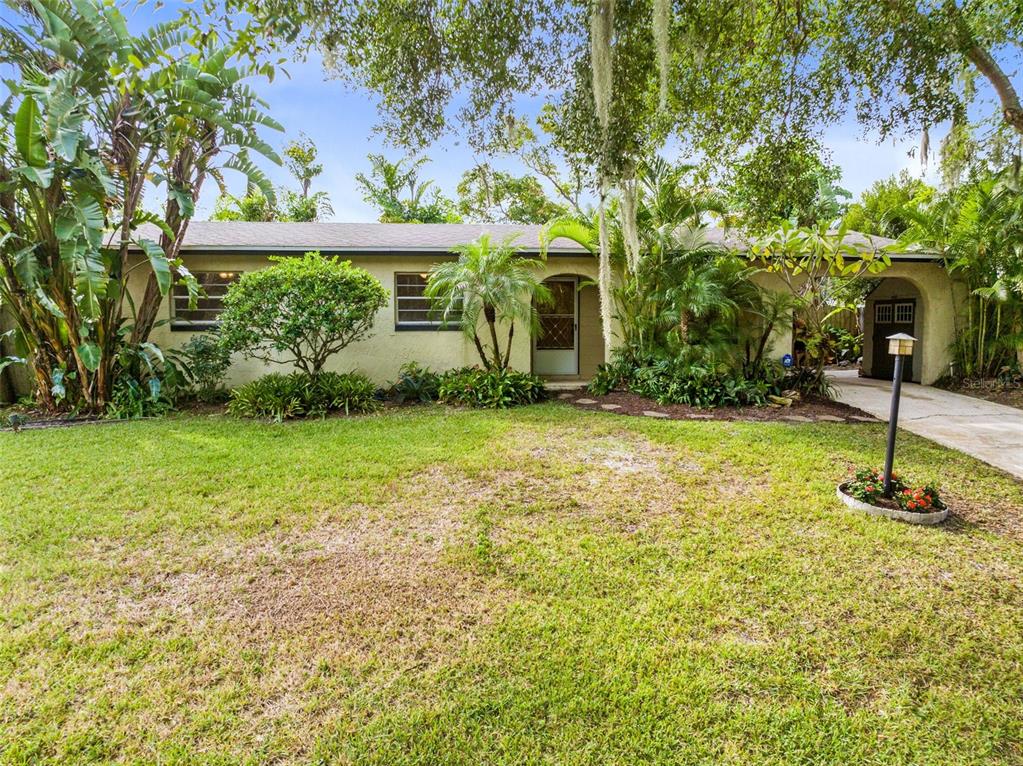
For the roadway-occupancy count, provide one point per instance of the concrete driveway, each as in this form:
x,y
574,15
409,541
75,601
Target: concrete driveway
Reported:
x,y
987,431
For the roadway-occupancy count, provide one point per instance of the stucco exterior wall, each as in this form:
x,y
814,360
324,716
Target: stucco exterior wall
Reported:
x,y
894,288
386,349
937,296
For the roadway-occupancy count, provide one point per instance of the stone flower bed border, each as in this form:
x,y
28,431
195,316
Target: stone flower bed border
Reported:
x,y
928,519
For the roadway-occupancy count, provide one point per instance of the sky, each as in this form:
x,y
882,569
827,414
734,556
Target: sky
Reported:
x,y
341,123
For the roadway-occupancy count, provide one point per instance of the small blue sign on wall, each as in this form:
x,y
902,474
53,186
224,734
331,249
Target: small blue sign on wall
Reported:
x,y
786,361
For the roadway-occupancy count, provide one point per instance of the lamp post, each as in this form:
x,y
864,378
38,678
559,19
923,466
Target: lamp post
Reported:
x,y
900,346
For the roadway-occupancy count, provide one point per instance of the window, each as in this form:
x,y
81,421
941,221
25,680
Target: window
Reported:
x,y
904,313
882,313
413,310
208,306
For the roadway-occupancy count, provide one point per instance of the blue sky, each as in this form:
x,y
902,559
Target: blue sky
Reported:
x,y
341,124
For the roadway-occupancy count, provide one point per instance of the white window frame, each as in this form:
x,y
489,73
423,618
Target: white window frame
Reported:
x,y
453,322
879,310
909,307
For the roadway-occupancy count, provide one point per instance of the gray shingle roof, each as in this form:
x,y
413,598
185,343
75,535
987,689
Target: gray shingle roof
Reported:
x,y
356,237
243,236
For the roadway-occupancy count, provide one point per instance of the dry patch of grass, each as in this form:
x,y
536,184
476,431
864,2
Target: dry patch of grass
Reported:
x,y
437,587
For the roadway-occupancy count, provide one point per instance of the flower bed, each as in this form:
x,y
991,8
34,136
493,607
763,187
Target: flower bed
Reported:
x,y
916,505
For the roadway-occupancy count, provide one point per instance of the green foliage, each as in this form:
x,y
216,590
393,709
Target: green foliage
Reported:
x,y
415,383
867,486
207,361
878,210
254,206
395,190
692,379
843,346
735,72
300,311
300,158
283,397
494,196
286,204
680,289
492,283
149,383
976,229
789,176
95,117
811,263
490,388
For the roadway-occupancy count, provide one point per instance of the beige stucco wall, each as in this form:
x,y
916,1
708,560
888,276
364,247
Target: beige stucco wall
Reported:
x,y
386,349
937,296
894,288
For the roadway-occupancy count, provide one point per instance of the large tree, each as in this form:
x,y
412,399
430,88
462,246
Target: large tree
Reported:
x,y
732,70
623,76
94,117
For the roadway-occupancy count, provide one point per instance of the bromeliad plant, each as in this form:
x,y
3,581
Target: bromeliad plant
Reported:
x,y
493,282
93,116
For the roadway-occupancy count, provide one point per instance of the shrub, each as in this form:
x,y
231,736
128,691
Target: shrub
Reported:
x,y
207,361
415,383
682,381
282,397
300,311
867,486
147,383
494,389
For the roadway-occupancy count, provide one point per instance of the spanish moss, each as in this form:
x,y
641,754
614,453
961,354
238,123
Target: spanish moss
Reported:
x,y
662,30
630,232
602,14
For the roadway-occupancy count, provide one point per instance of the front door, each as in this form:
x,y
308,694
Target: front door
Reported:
x,y
556,348
891,317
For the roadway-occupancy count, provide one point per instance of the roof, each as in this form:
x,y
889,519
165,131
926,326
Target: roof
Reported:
x,y
402,238
381,238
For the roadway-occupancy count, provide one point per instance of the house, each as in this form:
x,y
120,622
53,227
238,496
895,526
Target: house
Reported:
x,y
915,295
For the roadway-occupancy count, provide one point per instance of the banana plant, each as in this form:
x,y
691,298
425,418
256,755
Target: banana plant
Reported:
x,y
93,119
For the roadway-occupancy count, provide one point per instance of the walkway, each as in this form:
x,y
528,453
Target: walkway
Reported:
x,y
987,431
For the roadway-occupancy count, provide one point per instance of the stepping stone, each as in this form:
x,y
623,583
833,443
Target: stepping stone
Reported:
x,y
653,414
695,416
585,401
797,418
610,406
566,396
863,419
831,418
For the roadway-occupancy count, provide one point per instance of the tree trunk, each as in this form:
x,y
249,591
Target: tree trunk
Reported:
x,y
490,314
507,353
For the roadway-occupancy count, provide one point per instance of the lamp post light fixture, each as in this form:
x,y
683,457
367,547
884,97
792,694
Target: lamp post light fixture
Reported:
x,y
900,346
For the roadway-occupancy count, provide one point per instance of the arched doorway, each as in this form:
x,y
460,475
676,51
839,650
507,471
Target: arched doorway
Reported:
x,y
569,345
894,306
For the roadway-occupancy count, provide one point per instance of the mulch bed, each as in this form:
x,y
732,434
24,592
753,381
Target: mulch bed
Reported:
x,y
805,411
990,390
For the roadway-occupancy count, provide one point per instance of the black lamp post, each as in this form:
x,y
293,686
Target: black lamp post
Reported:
x,y
900,346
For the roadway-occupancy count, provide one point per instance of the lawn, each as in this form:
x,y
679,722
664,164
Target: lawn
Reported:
x,y
541,586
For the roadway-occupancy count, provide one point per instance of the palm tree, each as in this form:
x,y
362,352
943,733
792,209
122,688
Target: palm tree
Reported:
x,y
493,281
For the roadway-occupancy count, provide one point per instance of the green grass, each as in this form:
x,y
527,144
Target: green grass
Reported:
x,y
541,586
